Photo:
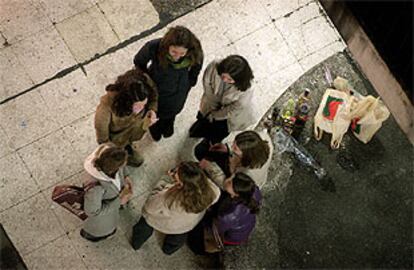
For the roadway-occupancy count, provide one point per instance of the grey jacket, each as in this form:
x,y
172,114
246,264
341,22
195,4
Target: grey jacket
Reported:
x,y
224,101
102,202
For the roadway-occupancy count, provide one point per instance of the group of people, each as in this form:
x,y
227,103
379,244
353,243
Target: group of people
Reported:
x,y
220,189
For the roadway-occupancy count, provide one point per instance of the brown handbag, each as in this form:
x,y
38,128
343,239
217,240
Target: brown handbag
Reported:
x,y
72,197
212,240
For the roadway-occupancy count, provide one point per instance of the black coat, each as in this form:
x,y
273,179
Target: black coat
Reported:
x,y
173,84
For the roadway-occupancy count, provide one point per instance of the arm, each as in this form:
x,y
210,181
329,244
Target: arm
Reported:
x,y
143,56
225,111
193,73
214,172
102,121
94,205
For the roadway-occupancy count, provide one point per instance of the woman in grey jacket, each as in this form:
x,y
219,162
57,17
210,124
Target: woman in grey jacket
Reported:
x,y
109,188
226,104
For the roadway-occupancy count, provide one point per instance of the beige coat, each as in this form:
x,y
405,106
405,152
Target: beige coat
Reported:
x,y
172,220
122,130
102,202
225,101
258,175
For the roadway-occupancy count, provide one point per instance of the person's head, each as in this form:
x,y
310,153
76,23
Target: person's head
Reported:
x,y
109,158
131,88
241,188
235,69
180,42
252,150
192,190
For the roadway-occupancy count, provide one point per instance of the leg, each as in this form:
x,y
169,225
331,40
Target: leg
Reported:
x,y
141,232
218,131
173,242
201,149
155,130
135,159
195,239
168,127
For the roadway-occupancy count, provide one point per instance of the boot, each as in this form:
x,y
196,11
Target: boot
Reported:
x,y
135,159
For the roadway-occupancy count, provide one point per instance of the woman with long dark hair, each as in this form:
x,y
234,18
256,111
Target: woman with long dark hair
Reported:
x,y
234,216
173,62
175,206
126,111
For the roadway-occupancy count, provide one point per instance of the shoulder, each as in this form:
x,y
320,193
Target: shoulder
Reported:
x,y
153,45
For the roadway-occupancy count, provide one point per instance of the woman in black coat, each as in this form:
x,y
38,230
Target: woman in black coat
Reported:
x,y
173,63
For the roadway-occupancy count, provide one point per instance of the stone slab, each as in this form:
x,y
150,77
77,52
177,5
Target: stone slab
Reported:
x,y
16,183
44,54
59,10
87,34
129,17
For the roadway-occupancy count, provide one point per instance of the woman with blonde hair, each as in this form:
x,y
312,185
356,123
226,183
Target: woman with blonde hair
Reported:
x,y
175,206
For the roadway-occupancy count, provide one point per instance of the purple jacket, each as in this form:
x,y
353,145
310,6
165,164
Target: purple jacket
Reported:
x,y
237,222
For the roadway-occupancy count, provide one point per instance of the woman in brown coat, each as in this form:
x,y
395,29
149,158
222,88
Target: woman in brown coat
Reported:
x,y
126,111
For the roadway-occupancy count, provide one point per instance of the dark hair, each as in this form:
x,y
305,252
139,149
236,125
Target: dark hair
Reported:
x,y
110,160
196,194
130,87
180,36
245,187
238,68
255,151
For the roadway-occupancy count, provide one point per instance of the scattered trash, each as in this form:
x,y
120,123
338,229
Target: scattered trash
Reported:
x,y
328,76
23,124
286,143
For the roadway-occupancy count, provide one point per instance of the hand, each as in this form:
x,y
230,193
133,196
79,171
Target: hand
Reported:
x,y
152,116
219,147
204,163
128,182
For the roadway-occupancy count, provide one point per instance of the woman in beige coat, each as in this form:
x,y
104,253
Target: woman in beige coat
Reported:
x,y
126,112
226,104
108,187
175,206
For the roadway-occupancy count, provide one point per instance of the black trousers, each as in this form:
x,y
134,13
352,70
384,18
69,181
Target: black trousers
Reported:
x,y
163,127
213,132
142,231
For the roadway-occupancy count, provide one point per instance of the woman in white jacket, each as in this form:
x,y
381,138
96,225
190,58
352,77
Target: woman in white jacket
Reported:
x,y
175,206
226,104
109,187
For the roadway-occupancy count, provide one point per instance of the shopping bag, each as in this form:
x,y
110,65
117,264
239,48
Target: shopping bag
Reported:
x,y
71,198
212,239
333,116
367,117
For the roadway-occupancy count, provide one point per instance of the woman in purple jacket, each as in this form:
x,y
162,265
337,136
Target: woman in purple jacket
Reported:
x,y
234,214
237,209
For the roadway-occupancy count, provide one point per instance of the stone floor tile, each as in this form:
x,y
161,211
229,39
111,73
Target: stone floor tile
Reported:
x,y
315,58
81,135
58,10
103,254
2,41
279,8
31,224
6,147
44,54
106,69
16,183
272,86
58,254
67,220
242,17
20,19
129,17
26,119
207,25
13,77
69,98
51,159
307,30
131,213
87,33
265,55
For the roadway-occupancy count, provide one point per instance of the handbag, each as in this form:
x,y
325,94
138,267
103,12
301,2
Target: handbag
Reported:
x,y
72,197
212,240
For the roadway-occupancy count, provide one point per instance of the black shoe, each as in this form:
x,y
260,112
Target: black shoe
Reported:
x,y
92,238
156,136
168,132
